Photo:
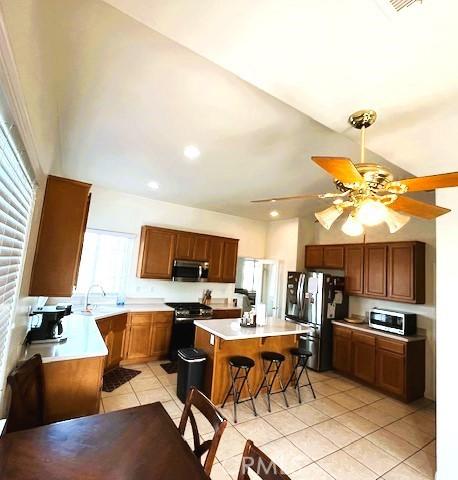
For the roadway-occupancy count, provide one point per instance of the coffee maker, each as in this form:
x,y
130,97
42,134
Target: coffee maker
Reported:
x,y
49,328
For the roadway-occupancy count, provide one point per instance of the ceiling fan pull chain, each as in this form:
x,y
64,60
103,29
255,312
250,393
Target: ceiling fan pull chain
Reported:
x,y
363,144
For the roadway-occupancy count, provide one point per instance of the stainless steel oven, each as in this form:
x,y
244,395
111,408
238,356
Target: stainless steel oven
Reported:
x,y
189,271
393,322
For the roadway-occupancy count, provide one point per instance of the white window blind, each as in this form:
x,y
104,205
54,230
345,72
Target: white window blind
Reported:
x,y
16,201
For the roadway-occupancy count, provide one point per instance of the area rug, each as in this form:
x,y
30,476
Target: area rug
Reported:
x,y
117,377
171,367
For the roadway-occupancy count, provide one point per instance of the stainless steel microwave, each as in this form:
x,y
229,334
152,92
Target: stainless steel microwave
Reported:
x,y
189,271
393,322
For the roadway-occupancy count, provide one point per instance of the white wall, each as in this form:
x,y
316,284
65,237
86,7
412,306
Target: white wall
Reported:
x,y
447,321
122,212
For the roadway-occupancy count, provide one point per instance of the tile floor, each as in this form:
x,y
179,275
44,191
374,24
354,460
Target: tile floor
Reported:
x,y
348,432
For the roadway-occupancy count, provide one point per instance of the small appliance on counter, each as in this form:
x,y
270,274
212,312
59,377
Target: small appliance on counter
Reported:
x,y
248,320
393,322
49,328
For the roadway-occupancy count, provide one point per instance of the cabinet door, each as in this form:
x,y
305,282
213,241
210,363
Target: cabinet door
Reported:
x,y
333,256
185,246
215,271
341,358
157,251
201,248
162,331
230,260
313,256
60,238
354,269
390,372
363,351
401,272
375,263
104,325
118,328
227,313
139,343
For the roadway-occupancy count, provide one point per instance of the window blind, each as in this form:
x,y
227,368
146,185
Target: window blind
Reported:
x,y
16,201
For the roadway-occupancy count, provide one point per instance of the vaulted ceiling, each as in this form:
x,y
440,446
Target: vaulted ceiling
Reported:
x,y
116,89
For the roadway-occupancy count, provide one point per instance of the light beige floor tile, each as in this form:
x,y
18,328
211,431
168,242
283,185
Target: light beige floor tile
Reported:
x,y
172,409
325,389
287,456
311,472
328,407
261,405
143,367
392,444
337,433
393,407
375,415
259,431
285,422
154,395
278,399
119,402
232,466
244,413
423,421
344,467
371,456
342,384
123,389
404,472
364,394
168,379
423,463
422,403
156,368
316,377
218,473
430,449
232,443
141,383
312,443
358,424
410,433
308,414
347,401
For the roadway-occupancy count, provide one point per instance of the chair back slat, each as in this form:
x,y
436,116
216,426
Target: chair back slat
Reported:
x,y
260,463
26,409
197,399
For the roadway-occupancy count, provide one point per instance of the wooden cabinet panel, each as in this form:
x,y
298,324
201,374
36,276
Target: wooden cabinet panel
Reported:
x,y
161,334
185,246
139,341
333,256
215,269
118,329
229,267
341,360
227,313
363,351
390,374
201,248
375,258
314,256
354,269
157,252
60,237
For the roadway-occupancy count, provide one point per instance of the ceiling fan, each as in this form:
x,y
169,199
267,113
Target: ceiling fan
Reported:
x,y
368,191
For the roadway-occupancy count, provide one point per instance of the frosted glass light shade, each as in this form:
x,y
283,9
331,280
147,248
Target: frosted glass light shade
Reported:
x,y
371,212
352,227
395,220
329,216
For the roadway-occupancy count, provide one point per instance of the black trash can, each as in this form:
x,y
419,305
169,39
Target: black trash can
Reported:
x,y
191,369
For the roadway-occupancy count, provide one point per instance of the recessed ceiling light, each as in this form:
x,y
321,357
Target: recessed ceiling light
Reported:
x,y
153,185
191,152
274,213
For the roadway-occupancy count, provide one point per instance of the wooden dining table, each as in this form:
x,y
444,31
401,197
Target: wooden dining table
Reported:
x,y
133,444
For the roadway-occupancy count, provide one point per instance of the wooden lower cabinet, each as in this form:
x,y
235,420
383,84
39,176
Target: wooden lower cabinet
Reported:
x,y
112,330
393,366
227,313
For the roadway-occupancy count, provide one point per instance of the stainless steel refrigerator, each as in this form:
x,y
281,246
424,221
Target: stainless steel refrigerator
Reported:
x,y
315,299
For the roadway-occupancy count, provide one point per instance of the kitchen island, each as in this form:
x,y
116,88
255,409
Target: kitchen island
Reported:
x,y
224,338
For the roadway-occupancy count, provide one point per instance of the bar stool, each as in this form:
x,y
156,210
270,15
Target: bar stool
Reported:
x,y
300,359
241,366
274,361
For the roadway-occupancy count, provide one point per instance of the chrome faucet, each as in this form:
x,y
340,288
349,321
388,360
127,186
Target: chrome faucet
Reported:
x,y
86,303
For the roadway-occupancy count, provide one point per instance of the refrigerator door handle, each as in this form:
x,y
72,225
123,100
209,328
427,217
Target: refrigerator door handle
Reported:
x,y
301,292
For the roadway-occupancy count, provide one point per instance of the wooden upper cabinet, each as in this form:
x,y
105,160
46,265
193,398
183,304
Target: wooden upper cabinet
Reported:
x,y
157,252
201,248
375,258
354,269
314,256
406,272
184,249
333,256
215,269
229,260
60,238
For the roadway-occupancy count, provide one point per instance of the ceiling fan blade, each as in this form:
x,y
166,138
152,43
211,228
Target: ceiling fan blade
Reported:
x,y
431,182
292,197
418,209
341,168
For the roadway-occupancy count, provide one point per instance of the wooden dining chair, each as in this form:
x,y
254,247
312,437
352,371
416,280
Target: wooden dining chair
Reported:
x,y
197,399
260,463
26,409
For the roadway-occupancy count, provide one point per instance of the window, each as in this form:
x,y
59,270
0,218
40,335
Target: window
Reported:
x,y
16,203
106,260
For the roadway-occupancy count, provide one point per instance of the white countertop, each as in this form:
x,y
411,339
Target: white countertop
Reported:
x,y
230,329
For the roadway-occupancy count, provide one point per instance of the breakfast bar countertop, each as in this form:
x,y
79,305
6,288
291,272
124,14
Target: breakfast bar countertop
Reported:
x,y
230,329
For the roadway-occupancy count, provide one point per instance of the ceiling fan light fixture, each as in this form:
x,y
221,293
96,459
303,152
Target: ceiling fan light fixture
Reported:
x,y
352,227
395,220
371,212
329,216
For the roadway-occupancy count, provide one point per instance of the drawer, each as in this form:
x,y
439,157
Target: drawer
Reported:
x,y
162,317
391,345
139,318
363,338
342,331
